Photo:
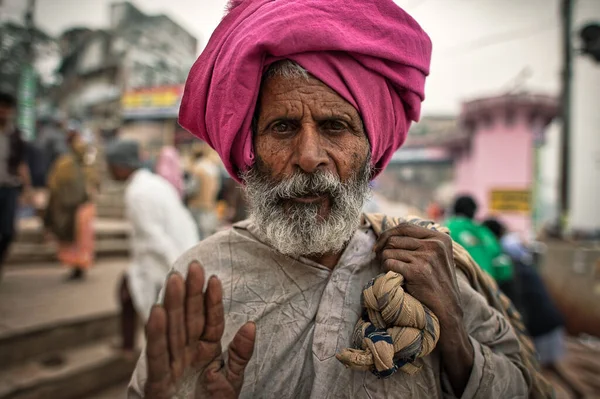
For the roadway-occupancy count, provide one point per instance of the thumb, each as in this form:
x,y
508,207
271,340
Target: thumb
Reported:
x,y
239,354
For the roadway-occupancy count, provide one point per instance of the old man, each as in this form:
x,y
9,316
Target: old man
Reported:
x,y
306,101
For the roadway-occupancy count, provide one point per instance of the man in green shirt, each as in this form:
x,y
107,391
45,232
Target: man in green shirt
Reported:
x,y
478,240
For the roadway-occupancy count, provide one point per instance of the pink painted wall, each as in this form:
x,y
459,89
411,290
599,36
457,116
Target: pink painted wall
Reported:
x,y
501,156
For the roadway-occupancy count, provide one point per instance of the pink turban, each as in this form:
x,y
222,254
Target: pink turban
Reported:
x,y
371,52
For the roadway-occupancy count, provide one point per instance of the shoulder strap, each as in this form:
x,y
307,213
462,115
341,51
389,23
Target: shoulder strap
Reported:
x,y
487,287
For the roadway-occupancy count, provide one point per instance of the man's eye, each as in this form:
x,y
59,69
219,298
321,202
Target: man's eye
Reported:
x,y
282,127
335,126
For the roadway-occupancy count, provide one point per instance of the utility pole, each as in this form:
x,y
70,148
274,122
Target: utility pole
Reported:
x,y
567,73
29,24
27,84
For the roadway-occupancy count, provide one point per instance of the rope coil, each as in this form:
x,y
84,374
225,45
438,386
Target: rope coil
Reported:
x,y
394,330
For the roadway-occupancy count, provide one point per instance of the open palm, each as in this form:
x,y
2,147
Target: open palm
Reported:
x,y
184,338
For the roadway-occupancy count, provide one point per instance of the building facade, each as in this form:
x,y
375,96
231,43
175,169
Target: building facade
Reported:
x,y
136,51
422,170
499,166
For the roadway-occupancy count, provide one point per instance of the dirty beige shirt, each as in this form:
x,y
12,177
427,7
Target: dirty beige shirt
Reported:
x,y
305,314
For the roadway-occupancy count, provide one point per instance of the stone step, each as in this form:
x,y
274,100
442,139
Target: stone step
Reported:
x,y
46,340
31,229
112,239
21,253
110,197
74,373
57,338
111,212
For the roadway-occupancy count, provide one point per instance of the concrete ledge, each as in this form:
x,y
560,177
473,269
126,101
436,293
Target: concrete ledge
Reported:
x,y
111,212
112,239
75,373
46,252
31,229
52,338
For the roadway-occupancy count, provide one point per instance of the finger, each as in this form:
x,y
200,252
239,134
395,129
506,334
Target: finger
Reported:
x,y
216,383
215,319
443,247
240,351
398,266
194,302
157,351
404,229
403,242
398,254
174,305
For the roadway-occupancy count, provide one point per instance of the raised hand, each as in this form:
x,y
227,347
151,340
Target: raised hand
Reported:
x,y
184,338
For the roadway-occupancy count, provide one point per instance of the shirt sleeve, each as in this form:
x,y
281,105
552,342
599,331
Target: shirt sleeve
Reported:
x,y
497,372
146,217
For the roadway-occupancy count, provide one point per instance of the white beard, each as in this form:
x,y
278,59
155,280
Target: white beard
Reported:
x,y
297,229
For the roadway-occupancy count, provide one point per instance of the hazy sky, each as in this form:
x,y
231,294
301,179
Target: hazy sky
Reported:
x,y
480,46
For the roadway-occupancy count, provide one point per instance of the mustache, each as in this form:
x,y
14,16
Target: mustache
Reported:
x,y
301,184
260,181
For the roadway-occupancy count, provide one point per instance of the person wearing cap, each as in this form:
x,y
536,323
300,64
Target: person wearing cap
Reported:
x,y
70,212
482,245
306,101
162,230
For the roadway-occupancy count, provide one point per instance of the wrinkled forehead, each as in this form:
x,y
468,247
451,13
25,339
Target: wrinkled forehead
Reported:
x,y
285,86
290,95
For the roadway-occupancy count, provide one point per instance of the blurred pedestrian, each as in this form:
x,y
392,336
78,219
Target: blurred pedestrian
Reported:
x,y
162,230
543,320
481,244
541,316
14,173
169,167
435,211
70,214
203,204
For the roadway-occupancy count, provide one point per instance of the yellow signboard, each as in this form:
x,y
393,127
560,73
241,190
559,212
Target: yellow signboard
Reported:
x,y
507,200
156,97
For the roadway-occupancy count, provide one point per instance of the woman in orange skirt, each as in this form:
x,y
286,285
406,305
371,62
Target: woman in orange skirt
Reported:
x,y
71,212
79,254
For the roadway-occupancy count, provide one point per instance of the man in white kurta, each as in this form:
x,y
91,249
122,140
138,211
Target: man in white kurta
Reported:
x,y
162,228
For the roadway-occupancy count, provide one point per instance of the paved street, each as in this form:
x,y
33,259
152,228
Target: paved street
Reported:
x,y
38,295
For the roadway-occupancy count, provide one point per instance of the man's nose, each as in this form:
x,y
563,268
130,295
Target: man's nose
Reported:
x,y
310,153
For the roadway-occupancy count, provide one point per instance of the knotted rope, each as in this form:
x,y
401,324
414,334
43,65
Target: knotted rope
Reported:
x,y
394,330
